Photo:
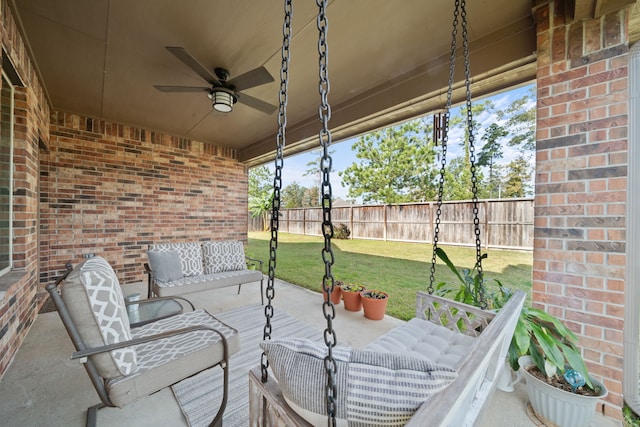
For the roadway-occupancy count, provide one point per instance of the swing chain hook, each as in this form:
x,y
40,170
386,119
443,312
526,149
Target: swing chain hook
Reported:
x,y
277,180
328,282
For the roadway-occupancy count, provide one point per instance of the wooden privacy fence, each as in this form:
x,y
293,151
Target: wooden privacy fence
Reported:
x,y
504,223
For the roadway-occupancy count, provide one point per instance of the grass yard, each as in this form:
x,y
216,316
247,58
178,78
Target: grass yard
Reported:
x,y
398,268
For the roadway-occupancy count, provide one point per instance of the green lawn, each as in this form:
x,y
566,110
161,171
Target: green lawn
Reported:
x,y
398,268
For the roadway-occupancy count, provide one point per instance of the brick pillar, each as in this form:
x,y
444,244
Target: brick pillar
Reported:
x,y
581,178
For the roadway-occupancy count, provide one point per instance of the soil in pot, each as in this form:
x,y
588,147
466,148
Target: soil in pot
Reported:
x,y
558,382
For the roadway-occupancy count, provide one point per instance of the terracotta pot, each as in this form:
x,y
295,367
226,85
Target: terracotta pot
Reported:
x,y
352,301
336,295
374,308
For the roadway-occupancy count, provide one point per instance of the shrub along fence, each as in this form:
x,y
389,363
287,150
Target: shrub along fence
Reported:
x,y
504,223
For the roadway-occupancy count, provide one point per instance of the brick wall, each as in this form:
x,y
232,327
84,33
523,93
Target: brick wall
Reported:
x,y
111,189
18,289
582,123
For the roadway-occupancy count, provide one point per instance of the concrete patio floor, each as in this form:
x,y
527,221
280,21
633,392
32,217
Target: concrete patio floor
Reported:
x,y
43,387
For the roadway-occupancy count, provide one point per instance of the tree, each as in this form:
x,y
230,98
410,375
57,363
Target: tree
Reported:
x,y
521,122
313,169
293,195
492,151
517,179
396,165
260,193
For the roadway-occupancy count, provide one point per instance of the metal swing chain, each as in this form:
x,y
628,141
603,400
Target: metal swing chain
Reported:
x,y
459,11
472,156
277,180
445,140
328,282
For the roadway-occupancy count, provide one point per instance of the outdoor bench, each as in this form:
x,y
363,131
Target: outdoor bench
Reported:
x,y
187,267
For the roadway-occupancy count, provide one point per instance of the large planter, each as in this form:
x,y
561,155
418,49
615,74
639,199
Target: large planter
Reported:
x,y
351,298
558,407
374,308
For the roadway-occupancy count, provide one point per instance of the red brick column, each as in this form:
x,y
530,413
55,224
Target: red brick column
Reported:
x,y
581,177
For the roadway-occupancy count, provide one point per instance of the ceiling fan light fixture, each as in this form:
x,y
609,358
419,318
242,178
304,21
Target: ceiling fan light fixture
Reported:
x,y
223,100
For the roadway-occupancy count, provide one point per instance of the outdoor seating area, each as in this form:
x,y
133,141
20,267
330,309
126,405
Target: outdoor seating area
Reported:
x,y
44,384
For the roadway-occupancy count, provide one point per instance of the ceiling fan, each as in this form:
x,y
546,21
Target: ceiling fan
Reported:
x,y
222,91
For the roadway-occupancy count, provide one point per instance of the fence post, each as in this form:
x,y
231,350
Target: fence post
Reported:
x,y
384,222
351,220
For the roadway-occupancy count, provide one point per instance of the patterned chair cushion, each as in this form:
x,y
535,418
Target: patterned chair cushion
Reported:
x,y
371,386
223,256
94,298
190,256
166,361
166,265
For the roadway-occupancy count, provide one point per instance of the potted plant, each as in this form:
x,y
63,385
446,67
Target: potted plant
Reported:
x,y
559,387
336,295
351,296
374,304
543,348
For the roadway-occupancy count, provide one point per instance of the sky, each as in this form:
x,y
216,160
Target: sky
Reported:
x,y
342,156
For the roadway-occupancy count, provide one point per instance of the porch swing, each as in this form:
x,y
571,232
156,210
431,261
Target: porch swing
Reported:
x,y
438,369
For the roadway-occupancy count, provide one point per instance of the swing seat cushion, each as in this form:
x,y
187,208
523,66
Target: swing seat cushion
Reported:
x,y
371,386
423,339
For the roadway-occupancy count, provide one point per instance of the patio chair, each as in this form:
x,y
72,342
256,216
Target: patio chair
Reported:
x,y
123,363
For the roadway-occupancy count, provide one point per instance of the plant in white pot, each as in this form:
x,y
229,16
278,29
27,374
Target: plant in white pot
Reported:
x,y
542,347
559,387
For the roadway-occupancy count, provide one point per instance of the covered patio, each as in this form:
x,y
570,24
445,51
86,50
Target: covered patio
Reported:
x,y
44,387
101,162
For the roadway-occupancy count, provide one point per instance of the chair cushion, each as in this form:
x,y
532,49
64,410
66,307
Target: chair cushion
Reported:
x,y
164,362
371,386
94,299
166,265
423,339
190,255
223,256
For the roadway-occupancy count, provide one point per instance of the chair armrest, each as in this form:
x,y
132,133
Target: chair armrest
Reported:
x,y
253,261
109,347
150,300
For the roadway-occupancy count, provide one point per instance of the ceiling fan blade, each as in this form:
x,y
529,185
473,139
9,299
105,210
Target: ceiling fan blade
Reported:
x,y
193,63
181,88
255,77
256,103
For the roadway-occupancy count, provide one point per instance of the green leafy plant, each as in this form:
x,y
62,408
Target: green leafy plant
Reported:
x,y
342,232
352,287
544,337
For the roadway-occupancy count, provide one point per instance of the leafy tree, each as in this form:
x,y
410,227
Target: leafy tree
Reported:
x,y
492,151
396,165
260,193
517,179
293,195
310,197
521,122
457,181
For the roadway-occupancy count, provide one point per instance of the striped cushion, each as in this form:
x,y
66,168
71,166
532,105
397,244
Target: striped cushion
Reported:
x,y
372,388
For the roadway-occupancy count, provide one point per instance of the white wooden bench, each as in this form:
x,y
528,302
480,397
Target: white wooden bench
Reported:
x,y
461,402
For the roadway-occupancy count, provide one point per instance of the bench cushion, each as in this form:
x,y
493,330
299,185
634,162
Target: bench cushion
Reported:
x,y
164,362
371,387
423,339
190,255
206,282
95,302
223,256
